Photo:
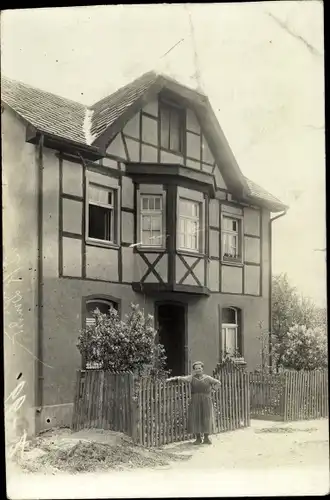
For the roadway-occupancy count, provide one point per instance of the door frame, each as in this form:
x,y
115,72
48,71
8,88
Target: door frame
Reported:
x,y
184,306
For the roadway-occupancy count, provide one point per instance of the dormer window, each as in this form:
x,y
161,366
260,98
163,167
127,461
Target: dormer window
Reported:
x,y
171,127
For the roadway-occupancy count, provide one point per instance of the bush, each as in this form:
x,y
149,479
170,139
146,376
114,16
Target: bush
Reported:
x,y
306,349
118,345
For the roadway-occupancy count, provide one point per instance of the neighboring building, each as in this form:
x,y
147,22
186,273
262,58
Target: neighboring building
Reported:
x,y
148,166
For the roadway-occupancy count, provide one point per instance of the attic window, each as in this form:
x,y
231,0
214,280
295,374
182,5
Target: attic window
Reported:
x,y
171,127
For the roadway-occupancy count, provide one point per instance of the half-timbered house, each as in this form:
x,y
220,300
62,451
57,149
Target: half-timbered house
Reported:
x,y
137,198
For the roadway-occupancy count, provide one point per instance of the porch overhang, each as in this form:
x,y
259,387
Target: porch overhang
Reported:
x,y
171,173
158,288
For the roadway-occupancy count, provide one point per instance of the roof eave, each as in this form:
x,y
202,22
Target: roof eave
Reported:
x,y
56,142
271,206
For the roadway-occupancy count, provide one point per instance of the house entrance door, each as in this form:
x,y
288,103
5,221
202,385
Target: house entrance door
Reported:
x,y
171,321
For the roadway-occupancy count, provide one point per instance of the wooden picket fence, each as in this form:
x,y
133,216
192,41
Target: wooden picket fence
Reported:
x,y
104,400
163,408
151,411
289,396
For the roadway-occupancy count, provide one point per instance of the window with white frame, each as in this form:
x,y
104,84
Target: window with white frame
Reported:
x,y
230,332
101,223
151,211
231,238
104,307
189,225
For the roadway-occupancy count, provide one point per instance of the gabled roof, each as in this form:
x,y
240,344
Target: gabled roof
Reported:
x,y
112,107
95,126
47,112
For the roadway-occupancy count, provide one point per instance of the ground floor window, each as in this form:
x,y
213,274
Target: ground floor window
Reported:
x,y
104,306
230,332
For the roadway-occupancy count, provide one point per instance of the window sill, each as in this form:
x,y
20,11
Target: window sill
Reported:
x,y
142,249
191,253
235,263
103,244
234,359
172,151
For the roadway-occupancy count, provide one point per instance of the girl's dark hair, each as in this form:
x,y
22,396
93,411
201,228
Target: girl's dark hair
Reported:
x,y
198,363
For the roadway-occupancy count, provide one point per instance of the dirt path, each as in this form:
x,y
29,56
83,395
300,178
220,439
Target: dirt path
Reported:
x,y
266,459
265,445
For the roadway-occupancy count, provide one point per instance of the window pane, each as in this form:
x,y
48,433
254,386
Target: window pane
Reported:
x,y
230,245
155,238
146,222
151,203
189,208
165,127
175,130
229,316
195,228
99,195
230,224
157,204
156,223
146,237
145,203
182,207
102,306
182,225
231,341
226,223
195,210
100,223
225,244
223,340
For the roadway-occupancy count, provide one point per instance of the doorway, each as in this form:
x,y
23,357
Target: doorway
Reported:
x,y
171,322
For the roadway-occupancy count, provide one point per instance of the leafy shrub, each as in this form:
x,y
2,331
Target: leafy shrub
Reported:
x,y
127,345
305,349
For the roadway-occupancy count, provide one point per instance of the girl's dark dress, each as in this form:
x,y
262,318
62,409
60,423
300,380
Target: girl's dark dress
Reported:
x,y
200,413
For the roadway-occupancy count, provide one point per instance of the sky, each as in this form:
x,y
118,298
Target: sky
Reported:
x,y
260,63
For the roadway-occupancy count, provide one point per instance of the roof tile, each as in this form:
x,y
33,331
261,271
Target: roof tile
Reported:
x,y
107,110
259,192
45,111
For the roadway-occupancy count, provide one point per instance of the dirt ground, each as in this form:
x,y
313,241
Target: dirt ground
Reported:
x,y
266,459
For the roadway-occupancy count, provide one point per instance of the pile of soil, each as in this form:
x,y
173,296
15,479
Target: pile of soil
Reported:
x,y
65,452
285,430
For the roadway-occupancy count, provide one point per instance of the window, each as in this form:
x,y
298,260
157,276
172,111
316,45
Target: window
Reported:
x,y
151,220
171,128
230,332
101,213
104,307
188,230
231,239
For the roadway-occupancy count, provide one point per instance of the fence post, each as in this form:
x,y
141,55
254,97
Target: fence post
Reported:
x,y
76,402
135,389
284,398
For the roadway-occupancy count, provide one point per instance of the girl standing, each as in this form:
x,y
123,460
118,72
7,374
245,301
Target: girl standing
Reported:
x,y
200,412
